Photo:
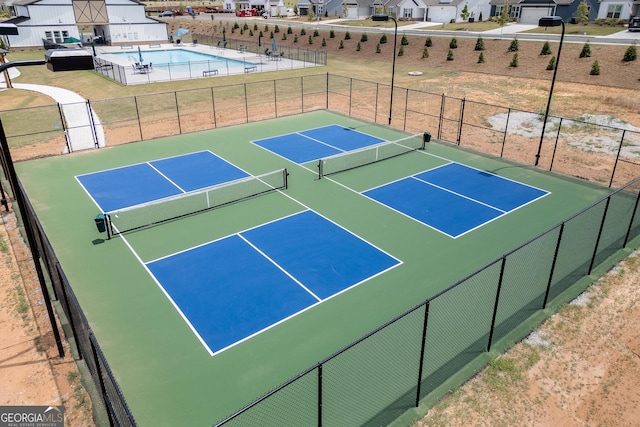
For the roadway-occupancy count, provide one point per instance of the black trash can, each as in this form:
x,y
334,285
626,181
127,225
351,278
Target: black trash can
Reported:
x,y
426,137
101,223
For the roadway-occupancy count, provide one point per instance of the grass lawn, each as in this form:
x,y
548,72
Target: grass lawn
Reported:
x,y
576,29
466,26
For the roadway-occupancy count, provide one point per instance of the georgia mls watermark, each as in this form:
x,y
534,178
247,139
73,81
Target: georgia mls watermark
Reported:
x,y
31,416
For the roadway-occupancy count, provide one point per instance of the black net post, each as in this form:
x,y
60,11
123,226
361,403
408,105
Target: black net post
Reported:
x,y
633,217
3,198
319,394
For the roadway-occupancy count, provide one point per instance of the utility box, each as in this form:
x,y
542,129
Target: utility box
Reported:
x,y
68,59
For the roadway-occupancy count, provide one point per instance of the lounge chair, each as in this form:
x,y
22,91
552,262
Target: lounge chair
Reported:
x,y
194,42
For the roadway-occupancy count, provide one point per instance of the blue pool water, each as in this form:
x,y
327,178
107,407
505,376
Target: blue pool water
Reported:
x,y
174,56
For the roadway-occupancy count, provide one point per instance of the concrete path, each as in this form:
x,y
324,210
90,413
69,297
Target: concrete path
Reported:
x,y
83,128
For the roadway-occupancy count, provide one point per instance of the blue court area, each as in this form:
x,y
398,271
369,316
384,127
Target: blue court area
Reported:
x,y
144,182
314,144
455,199
231,289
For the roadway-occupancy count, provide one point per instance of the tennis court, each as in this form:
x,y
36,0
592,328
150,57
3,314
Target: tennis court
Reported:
x,y
236,267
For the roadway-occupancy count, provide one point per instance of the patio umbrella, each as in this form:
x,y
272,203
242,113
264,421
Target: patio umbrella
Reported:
x,y
140,54
274,46
180,32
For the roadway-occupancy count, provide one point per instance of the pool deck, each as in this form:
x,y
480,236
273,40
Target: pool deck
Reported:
x,y
253,62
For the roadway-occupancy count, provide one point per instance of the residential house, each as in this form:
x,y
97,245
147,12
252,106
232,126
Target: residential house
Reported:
x,y
107,21
530,11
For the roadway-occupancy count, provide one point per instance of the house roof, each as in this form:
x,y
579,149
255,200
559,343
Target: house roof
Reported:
x,y
445,3
501,2
16,20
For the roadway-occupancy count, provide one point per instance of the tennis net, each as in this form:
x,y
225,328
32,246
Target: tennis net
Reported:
x,y
372,154
175,207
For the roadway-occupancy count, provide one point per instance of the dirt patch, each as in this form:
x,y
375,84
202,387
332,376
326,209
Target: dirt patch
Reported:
x,y
31,371
581,367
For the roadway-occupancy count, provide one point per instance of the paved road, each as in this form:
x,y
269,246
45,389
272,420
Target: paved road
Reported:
x,y
422,28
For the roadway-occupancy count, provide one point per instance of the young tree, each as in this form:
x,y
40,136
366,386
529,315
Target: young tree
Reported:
x,y
378,48
546,49
586,51
383,39
514,61
481,58
450,55
595,68
401,51
332,34
552,64
503,18
341,44
425,52
453,44
465,13
311,16
582,14
364,37
347,36
479,44
404,41
631,54
324,42
513,47
428,42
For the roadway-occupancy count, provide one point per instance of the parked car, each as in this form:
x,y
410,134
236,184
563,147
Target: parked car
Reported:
x,y
165,13
634,23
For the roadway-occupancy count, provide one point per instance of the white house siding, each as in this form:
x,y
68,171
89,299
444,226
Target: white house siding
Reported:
x,y
624,7
531,15
441,13
416,12
32,36
125,33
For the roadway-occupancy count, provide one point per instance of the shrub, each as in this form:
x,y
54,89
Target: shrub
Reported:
x,y
453,44
586,51
260,34
315,33
546,49
289,30
284,36
251,33
236,26
404,41
378,48
383,39
401,51
271,35
425,52
364,37
255,27
324,42
631,54
295,38
513,47
514,61
310,40
266,28
358,47
276,29
481,58
303,32
347,36
479,44
552,63
450,55
332,34
245,27
595,68
341,45
428,42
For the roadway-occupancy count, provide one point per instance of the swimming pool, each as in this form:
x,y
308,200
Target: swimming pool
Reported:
x,y
173,56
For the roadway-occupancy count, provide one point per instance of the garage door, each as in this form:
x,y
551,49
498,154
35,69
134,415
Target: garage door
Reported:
x,y
531,15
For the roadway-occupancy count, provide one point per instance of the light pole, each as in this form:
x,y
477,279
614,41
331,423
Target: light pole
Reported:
x,y
393,67
550,21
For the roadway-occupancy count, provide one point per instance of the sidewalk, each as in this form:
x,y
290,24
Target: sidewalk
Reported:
x,y
84,130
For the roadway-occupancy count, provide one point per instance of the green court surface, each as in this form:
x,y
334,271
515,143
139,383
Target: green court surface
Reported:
x,y
167,376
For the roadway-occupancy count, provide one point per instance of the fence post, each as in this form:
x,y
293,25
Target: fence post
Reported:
x,y
302,93
135,101
595,249
213,106
633,217
275,97
375,114
495,306
28,228
327,93
64,128
175,95
406,108
103,389
555,147
460,123
350,94
553,267
441,116
320,395
424,340
504,136
92,123
246,104
615,164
